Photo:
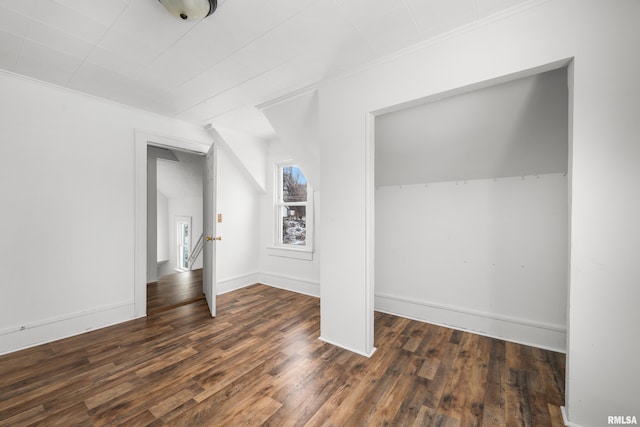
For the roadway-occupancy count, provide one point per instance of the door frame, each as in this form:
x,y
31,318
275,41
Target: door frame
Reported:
x,y
142,140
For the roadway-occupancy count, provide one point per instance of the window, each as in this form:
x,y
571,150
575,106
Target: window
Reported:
x,y
294,209
183,237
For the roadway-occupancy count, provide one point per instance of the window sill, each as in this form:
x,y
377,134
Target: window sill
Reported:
x,y
295,253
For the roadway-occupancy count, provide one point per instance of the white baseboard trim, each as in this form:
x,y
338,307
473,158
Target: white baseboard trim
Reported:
x,y
353,350
565,418
536,334
53,329
294,284
231,284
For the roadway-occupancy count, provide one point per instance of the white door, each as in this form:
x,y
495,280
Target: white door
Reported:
x,y
209,249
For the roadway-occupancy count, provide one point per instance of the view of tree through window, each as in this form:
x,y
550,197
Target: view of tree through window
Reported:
x,y
293,206
183,245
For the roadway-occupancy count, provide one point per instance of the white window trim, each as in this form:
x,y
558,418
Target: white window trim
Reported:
x,y
306,255
280,249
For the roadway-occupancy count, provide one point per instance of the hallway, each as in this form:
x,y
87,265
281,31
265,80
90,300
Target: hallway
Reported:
x,y
174,290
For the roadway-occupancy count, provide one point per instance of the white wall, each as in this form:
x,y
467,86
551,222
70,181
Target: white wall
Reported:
x,y
238,202
296,123
276,268
489,256
67,191
246,151
515,128
163,228
603,176
157,236
181,182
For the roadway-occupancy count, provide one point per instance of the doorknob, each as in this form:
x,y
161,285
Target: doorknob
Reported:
x,y
209,238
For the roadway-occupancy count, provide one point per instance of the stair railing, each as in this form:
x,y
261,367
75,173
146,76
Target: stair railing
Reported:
x,y
196,251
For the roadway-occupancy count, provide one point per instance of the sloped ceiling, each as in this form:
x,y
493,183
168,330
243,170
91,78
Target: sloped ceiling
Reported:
x,y
182,178
216,70
511,129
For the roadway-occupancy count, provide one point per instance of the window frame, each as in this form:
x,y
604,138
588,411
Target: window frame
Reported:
x,y
280,248
178,241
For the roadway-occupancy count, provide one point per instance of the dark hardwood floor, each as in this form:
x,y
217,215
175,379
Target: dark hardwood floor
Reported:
x,y
260,363
174,290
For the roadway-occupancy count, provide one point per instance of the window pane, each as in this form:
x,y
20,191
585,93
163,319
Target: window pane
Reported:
x,y
294,185
184,257
294,225
184,233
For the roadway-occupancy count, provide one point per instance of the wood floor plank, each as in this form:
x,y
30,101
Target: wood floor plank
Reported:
x,y
174,290
555,416
330,407
24,417
53,390
343,406
74,415
493,413
552,375
260,362
456,388
388,397
253,412
301,403
476,385
235,396
108,395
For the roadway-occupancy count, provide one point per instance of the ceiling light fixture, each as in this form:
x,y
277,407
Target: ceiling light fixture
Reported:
x,y
191,10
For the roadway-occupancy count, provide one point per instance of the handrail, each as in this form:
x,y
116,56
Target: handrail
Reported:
x,y
196,251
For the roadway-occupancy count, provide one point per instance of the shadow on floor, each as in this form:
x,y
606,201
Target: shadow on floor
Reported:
x,y
174,290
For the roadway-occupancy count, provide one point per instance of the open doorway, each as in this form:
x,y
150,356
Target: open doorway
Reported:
x,y
178,212
471,210
146,260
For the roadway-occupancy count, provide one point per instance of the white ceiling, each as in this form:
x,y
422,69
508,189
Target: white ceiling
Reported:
x,y
216,70
511,129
